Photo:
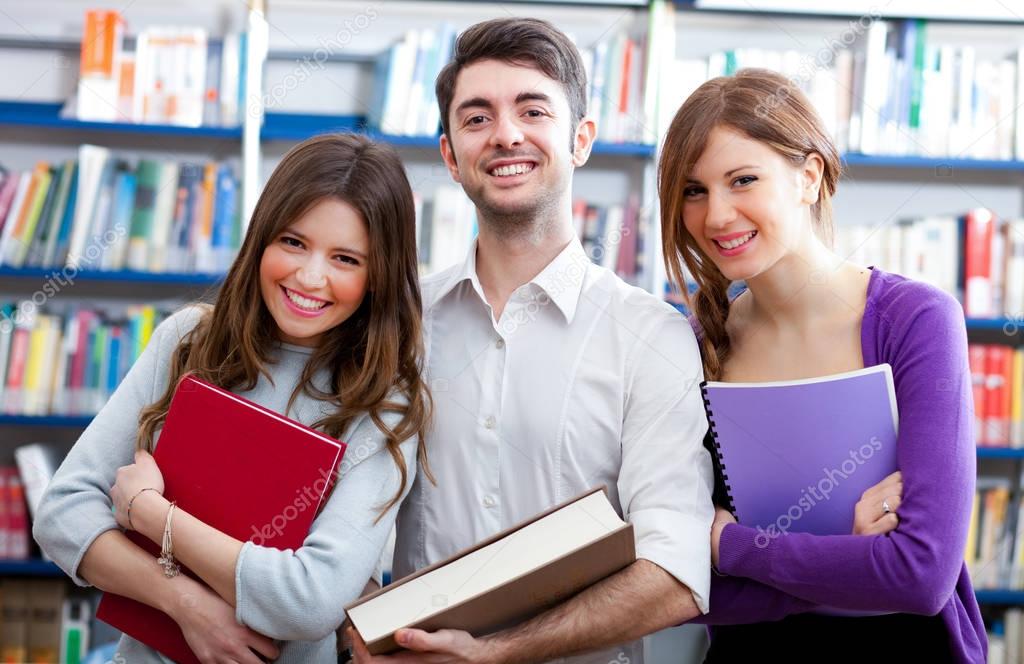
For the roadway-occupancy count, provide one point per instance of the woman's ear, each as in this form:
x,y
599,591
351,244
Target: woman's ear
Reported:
x,y
811,173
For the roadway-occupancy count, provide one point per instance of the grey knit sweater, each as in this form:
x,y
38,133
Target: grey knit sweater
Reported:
x,y
295,596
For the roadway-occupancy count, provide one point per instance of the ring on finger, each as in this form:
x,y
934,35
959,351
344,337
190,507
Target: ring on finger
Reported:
x,y
885,506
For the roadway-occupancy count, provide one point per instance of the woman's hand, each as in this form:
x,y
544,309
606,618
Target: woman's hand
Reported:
x,y
869,514
723,518
213,634
130,480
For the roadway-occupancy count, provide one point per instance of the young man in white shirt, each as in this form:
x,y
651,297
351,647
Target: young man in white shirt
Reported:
x,y
550,375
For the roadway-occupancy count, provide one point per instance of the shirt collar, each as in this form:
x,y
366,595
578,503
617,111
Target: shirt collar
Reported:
x,y
561,280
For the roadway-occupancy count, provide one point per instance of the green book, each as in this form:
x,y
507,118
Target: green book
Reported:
x,y
147,179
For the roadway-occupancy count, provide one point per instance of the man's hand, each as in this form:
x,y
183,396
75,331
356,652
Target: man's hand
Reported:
x,y
445,646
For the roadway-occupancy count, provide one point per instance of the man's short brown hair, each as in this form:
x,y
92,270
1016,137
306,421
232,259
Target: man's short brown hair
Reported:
x,y
521,41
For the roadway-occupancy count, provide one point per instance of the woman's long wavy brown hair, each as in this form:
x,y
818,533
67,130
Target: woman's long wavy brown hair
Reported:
x,y
768,108
374,354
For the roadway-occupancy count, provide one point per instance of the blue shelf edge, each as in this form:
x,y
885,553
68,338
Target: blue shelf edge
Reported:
x,y
47,116
300,126
950,163
991,452
30,567
75,421
201,279
1009,597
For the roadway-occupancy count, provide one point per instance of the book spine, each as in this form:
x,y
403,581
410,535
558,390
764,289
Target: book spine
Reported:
x,y
716,457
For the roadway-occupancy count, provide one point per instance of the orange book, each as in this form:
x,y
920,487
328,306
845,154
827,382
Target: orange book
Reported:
x,y
41,169
101,43
100,67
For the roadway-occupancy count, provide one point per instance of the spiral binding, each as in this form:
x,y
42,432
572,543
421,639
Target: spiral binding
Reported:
x,y
719,461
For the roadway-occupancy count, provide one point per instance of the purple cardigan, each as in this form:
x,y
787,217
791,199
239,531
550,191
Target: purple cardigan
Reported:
x,y
919,567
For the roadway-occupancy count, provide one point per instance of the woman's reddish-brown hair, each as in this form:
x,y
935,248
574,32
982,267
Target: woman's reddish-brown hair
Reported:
x,y
767,107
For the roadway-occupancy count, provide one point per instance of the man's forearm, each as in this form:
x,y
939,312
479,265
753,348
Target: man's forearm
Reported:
x,y
639,600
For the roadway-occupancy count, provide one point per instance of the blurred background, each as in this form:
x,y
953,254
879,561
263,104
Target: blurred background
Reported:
x,y
136,137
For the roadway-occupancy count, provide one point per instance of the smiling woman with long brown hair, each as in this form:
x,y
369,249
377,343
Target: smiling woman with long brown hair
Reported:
x,y
746,180
318,319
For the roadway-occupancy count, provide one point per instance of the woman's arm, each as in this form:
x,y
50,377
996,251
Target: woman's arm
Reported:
x,y
914,568
115,564
289,595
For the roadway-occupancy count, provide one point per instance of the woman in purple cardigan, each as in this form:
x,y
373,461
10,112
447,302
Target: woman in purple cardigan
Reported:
x,y
746,179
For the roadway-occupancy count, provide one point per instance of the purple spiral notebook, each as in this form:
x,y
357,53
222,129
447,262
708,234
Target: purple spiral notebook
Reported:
x,y
797,455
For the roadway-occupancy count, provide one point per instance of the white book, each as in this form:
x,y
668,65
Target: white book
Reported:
x,y
399,82
506,579
12,214
416,99
875,90
91,161
37,464
229,79
1014,288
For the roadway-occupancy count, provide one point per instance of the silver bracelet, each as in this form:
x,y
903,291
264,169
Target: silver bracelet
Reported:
x,y
166,559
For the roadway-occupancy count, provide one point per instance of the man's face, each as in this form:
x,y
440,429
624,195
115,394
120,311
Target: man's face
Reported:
x,y
511,130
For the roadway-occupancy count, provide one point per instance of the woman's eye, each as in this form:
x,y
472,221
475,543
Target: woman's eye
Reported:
x,y
348,260
744,180
291,242
691,192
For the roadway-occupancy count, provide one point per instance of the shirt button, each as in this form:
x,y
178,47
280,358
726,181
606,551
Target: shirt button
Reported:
x,y
489,501
490,422
499,344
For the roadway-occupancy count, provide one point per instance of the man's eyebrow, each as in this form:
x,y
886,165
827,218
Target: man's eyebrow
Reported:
x,y
532,96
474,102
482,102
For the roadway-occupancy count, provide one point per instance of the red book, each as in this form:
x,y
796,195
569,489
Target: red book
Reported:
x,y
998,381
17,516
976,360
243,469
978,263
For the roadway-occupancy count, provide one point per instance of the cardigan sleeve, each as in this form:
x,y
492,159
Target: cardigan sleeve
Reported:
x,y
914,568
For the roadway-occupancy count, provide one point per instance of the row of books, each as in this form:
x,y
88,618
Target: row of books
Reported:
x,y
1006,638
40,622
404,104
102,212
14,518
977,256
175,76
890,88
997,380
68,363
995,539
612,236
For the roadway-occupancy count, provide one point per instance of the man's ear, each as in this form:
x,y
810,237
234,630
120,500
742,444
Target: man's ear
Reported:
x,y
448,155
583,141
